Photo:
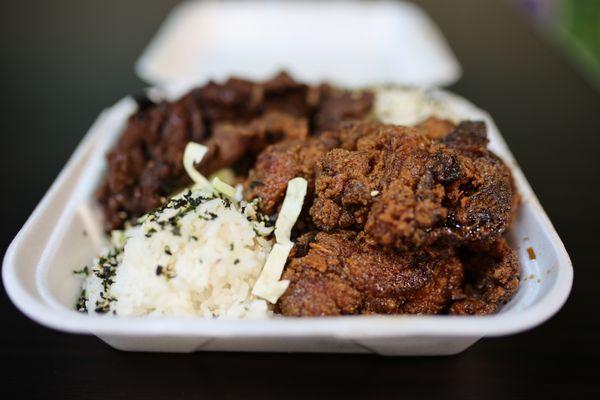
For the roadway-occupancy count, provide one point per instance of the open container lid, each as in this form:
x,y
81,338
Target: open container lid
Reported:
x,y
347,43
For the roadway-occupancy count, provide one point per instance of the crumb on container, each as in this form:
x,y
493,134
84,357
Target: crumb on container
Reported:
x,y
531,253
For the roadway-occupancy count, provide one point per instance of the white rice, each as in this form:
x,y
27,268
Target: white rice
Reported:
x,y
202,262
412,105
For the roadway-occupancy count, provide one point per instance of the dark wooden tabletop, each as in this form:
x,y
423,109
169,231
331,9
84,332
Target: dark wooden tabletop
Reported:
x,y
63,61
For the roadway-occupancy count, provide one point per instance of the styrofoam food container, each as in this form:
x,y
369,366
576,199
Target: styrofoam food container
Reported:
x,y
65,232
349,43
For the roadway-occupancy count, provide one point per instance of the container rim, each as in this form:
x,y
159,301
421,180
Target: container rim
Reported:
x,y
361,326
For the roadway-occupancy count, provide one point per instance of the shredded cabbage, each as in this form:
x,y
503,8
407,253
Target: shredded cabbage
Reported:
x,y
194,153
225,174
268,285
290,209
224,188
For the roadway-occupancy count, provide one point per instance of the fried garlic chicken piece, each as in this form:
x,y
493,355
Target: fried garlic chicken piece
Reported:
x,y
491,277
435,128
407,191
340,274
277,165
282,161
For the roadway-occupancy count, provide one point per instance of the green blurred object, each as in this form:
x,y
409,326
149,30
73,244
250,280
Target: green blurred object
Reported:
x,y
579,30
575,25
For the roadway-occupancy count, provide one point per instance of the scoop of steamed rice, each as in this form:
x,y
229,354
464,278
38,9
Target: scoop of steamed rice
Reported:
x,y
199,255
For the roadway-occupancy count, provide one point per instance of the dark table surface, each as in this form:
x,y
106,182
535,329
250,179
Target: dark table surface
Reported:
x,y
63,61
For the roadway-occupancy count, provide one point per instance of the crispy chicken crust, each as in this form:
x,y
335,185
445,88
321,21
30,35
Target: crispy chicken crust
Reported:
x,y
491,277
406,191
341,274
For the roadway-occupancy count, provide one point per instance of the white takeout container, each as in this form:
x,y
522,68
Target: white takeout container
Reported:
x,y
65,232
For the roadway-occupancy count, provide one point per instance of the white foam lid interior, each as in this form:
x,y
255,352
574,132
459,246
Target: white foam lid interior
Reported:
x,y
347,43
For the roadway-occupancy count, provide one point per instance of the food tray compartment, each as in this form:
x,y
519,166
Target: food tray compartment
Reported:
x,y
38,274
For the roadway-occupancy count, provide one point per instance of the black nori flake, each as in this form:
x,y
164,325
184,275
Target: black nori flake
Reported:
x,y
83,271
209,216
179,203
168,251
236,261
226,202
81,302
106,268
269,222
195,202
150,232
175,219
103,306
165,271
107,283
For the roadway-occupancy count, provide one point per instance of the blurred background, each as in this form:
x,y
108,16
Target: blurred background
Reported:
x,y
573,25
